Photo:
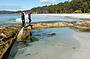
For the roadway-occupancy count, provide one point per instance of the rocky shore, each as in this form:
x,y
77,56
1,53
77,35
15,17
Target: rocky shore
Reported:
x,y
82,25
9,33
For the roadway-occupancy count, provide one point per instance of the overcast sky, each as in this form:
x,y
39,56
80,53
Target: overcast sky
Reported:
x,y
25,4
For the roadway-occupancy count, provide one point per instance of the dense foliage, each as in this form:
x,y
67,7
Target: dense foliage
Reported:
x,y
65,7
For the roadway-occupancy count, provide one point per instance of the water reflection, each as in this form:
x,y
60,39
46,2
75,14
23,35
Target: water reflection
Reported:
x,y
80,30
30,38
62,42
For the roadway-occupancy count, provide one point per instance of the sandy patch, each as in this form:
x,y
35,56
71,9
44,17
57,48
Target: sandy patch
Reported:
x,y
84,51
87,16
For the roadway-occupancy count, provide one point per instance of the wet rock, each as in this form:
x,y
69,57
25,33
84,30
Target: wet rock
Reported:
x,y
52,25
83,28
82,25
73,47
27,54
52,34
7,36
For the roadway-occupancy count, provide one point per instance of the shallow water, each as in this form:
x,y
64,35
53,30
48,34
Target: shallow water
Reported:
x,y
16,18
8,18
61,45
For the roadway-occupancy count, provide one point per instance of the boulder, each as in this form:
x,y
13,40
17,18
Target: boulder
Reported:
x,y
2,35
52,34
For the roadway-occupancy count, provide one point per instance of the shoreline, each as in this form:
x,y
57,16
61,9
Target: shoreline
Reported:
x,y
34,22
77,16
81,16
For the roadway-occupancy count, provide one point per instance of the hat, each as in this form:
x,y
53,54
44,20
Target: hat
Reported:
x,y
30,12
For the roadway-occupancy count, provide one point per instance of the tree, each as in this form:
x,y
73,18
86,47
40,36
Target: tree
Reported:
x,y
65,7
85,6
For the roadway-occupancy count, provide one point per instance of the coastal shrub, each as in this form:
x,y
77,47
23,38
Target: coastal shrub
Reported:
x,y
77,11
88,10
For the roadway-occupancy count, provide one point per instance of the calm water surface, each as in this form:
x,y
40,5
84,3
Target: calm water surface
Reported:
x,y
16,18
61,45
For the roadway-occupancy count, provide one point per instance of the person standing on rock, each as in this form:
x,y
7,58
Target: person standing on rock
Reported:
x,y
23,19
29,17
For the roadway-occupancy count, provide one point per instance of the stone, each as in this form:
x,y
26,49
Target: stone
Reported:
x,y
52,34
29,28
0,28
3,35
73,47
19,37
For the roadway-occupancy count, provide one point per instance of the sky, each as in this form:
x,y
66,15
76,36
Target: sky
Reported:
x,y
15,5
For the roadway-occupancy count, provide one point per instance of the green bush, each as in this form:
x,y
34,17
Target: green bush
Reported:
x,y
77,11
88,10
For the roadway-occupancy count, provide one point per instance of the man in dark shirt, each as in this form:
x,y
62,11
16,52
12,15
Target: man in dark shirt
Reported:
x,y
23,19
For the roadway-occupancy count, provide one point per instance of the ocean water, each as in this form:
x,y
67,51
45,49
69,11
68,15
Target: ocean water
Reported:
x,y
59,46
16,18
8,18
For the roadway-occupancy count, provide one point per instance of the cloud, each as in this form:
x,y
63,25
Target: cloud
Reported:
x,y
47,1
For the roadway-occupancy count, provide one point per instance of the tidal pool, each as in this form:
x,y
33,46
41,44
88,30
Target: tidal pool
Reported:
x,y
59,46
